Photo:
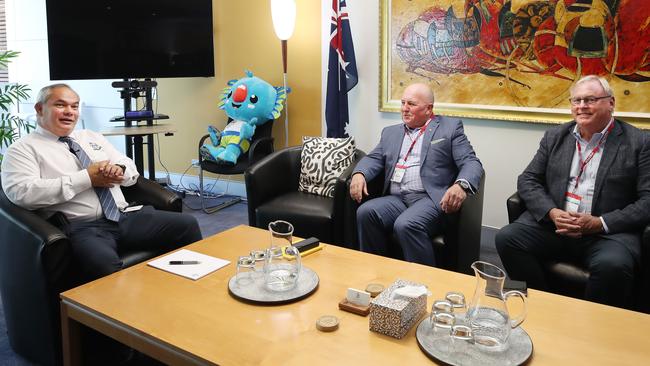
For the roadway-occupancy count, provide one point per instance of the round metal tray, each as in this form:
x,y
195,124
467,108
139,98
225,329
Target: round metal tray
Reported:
x,y
255,291
438,346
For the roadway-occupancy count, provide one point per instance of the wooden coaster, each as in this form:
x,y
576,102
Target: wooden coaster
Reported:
x,y
327,323
374,289
354,308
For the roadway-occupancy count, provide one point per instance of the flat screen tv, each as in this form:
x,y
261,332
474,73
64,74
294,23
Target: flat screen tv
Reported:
x,y
120,39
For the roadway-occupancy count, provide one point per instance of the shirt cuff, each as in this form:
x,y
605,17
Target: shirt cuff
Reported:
x,y
605,228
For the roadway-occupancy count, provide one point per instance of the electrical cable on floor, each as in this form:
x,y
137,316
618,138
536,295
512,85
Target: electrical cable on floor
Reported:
x,y
191,189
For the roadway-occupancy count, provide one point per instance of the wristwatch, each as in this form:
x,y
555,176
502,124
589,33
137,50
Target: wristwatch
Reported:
x,y
464,185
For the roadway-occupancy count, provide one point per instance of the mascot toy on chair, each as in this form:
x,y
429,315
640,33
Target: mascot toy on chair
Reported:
x,y
250,102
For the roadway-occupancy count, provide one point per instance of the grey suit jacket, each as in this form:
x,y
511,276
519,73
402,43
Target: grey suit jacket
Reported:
x,y
446,156
622,190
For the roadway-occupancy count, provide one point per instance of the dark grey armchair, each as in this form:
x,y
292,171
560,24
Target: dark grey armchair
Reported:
x,y
272,192
36,265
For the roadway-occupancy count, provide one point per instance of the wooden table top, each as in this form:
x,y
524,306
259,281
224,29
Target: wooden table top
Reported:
x,y
200,317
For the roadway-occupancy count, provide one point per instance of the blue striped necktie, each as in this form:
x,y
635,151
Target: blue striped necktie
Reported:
x,y
105,197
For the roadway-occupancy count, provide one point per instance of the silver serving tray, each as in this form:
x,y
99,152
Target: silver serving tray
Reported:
x,y
438,346
253,290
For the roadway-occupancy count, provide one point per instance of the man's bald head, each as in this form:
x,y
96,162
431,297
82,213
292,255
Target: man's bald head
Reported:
x,y
417,105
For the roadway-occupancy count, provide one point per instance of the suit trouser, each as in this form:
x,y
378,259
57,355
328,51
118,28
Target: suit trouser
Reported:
x,y
524,248
412,222
95,245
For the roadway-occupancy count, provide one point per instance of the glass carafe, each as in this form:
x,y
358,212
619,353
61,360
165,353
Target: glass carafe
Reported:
x,y
281,272
487,313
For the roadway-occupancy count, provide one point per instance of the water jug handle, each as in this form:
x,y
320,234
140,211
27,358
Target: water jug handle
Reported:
x,y
515,322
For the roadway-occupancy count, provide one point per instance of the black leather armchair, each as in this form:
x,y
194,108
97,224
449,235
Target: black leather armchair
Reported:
x,y
458,246
261,146
36,265
569,278
272,192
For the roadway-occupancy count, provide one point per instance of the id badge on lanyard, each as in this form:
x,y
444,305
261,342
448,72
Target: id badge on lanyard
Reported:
x,y
398,174
572,202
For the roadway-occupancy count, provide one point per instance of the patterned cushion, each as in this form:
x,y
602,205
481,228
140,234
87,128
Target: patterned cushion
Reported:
x,y
323,160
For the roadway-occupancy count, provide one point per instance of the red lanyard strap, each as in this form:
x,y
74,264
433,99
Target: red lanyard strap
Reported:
x,y
583,163
422,129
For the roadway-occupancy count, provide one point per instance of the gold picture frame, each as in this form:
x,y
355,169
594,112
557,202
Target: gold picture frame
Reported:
x,y
417,46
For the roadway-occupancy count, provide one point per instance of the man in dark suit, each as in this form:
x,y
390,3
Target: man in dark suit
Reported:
x,y
587,194
429,167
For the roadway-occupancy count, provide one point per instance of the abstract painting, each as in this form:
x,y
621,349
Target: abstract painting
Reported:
x,y
515,59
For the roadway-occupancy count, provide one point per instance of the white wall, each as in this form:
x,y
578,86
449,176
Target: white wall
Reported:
x,y
27,33
505,148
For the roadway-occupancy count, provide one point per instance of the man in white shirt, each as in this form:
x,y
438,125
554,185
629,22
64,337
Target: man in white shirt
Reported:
x,y
79,173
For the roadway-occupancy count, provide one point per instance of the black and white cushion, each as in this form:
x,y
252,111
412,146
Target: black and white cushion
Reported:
x,y
323,160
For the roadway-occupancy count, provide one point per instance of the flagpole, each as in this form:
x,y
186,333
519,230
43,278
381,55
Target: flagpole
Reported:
x,y
286,101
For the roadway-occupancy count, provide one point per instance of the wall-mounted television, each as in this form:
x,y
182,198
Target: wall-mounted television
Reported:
x,y
121,39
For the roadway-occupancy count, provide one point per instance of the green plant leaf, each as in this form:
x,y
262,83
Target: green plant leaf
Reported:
x,y
11,126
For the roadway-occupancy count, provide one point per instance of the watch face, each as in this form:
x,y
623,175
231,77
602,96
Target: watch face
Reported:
x,y
464,185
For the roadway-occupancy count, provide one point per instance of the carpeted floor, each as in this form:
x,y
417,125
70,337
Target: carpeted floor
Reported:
x,y
210,225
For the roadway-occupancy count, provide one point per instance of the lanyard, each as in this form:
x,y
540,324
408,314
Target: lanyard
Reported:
x,y
583,163
422,129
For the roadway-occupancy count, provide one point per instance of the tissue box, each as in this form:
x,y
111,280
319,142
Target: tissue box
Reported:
x,y
394,317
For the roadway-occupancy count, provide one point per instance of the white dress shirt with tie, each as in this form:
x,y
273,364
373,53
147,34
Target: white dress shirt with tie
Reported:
x,y
40,173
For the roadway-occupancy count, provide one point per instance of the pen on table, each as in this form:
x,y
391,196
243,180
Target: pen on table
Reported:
x,y
184,262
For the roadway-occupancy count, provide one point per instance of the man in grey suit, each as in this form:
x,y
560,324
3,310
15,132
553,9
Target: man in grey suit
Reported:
x,y
429,167
587,194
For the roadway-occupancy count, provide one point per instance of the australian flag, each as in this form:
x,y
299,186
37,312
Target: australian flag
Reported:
x,y
341,73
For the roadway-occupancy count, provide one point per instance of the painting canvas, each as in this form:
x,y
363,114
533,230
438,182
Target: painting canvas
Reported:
x,y
516,59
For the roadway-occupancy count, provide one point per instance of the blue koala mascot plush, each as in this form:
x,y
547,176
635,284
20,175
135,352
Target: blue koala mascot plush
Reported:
x,y
250,102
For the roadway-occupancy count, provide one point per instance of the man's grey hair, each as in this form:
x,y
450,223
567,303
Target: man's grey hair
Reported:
x,y
602,81
45,93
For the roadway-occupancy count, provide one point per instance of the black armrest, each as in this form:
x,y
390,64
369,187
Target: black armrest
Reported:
x,y
201,141
260,148
470,217
270,177
34,268
148,192
345,207
515,206
37,238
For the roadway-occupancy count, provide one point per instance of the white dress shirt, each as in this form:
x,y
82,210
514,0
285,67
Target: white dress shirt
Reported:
x,y
40,173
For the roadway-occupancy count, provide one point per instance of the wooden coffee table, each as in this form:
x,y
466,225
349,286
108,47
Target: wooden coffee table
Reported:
x,y
182,322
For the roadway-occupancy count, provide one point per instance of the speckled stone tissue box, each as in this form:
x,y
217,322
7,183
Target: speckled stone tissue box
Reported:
x,y
394,317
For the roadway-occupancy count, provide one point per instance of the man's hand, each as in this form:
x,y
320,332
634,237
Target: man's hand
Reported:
x,y
103,174
113,171
453,199
588,224
573,224
358,187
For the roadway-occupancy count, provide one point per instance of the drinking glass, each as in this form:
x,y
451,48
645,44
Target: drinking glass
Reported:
x,y
259,256
245,270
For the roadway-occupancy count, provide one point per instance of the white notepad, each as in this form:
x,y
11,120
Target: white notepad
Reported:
x,y
206,265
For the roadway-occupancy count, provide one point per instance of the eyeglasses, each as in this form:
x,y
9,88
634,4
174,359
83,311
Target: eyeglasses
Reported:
x,y
587,100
